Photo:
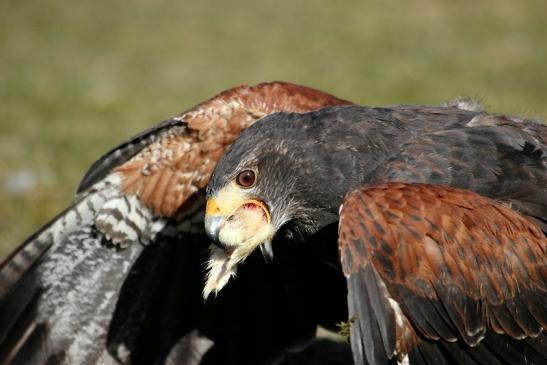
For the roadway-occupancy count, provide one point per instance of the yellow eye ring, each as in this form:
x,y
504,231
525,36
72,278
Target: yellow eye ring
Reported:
x,y
246,178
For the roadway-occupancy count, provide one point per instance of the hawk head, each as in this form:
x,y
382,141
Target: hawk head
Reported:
x,y
286,175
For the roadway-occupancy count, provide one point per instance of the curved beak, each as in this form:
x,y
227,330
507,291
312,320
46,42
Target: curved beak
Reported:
x,y
213,224
237,225
233,220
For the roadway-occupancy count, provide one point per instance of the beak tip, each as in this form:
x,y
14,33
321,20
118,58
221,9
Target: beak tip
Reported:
x,y
213,224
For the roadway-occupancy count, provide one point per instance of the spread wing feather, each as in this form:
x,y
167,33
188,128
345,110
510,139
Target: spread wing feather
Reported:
x,y
443,275
65,298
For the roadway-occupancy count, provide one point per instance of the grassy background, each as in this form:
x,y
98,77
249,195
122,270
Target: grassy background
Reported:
x,y
78,77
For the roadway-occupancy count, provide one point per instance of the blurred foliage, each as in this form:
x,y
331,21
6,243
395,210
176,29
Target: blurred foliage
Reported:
x,y
78,77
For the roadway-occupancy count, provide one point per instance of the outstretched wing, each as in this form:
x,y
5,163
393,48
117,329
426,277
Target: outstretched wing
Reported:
x,y
442,275
64,298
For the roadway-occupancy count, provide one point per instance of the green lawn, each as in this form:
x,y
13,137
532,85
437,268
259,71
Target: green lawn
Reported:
x,y
78,77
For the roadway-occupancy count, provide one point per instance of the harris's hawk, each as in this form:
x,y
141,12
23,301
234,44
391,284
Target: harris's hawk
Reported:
x,y
441,216
68,298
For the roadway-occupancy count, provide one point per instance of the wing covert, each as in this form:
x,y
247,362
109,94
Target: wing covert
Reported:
x,y
449,265
498,156
169,162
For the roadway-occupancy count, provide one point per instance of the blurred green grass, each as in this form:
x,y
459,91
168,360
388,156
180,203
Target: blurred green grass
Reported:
x,y
78,77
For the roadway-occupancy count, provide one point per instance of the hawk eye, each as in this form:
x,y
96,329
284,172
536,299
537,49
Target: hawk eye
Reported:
x,y
246,178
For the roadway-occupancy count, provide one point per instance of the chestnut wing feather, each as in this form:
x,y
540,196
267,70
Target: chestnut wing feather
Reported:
x,y
429,263
169,162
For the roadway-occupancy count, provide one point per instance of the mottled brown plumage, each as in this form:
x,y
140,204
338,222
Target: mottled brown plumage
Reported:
x,y
179,163
457,264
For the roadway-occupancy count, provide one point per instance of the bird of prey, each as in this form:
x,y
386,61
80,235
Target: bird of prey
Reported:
x,y
440,216
65,297
440,255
